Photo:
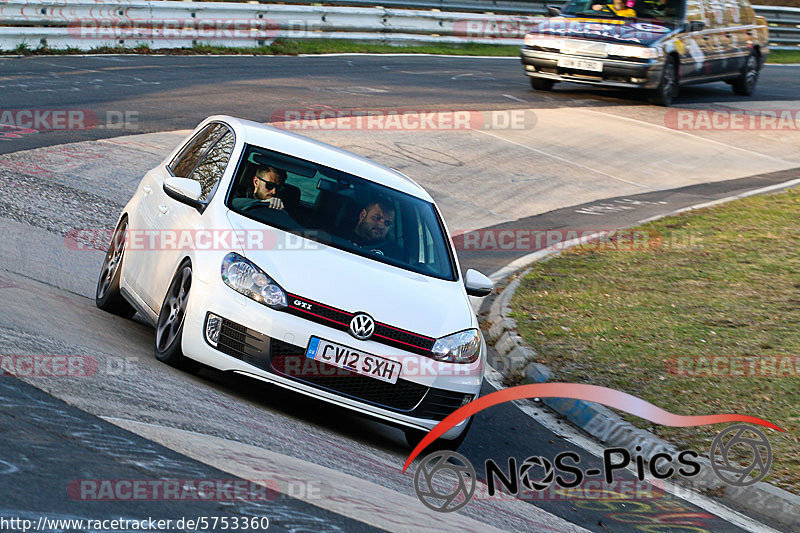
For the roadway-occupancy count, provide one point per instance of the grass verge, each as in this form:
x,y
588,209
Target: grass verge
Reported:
x,y
288,47
782,57
725,282
324,46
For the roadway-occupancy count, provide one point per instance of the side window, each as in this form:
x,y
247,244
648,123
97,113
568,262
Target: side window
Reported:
x,y
183,163
307,186
746,12
716,11
695,10
734,12
212,167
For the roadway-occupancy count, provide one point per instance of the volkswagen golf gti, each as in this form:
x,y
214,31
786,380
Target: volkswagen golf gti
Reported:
x,y
257,251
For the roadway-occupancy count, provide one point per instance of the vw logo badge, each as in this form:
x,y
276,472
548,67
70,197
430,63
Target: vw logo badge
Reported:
x,y
362,326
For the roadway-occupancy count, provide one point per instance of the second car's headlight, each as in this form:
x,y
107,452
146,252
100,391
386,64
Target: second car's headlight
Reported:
x,y
627,50
243,276
542,41
461,347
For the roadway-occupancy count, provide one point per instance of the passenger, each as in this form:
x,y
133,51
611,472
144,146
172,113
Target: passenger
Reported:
x,y
267,184
619,8
374,223
660,9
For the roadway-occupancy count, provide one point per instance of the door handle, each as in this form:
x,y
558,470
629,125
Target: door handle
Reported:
x,y
163,208
147,190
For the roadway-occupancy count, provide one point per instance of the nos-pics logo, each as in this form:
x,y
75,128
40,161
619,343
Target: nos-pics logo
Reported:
x,y
445,481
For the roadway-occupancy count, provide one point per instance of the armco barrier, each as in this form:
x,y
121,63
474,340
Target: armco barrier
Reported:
x,y
86,24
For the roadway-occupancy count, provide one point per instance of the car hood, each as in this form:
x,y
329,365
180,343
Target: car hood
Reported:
x,y
616,31
333,277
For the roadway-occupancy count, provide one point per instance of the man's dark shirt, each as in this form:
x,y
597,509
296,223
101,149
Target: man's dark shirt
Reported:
x,y
385,247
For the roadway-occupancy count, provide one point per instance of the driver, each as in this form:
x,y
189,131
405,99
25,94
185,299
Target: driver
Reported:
x,y
619,8
371,231
267,184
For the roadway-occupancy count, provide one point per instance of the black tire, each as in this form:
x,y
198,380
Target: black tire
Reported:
x,y
107,295
169,327
745,85
668,88
542,84
413,436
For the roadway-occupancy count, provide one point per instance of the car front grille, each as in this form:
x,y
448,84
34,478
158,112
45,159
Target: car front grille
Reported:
x,y
289,361
340,319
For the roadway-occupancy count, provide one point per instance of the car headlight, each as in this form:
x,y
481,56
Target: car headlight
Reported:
x,y
625,50
461,347
246,278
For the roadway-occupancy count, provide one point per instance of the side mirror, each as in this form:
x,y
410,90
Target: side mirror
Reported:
x,y
553,11
477,284
184,190
695,25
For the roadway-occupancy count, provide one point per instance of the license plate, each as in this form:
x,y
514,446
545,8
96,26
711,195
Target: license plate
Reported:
x,y
580,64
353,360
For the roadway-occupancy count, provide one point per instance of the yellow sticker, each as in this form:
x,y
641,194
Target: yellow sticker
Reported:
x,y
602,21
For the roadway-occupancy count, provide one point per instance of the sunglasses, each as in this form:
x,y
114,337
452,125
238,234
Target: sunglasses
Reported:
x,y
270,185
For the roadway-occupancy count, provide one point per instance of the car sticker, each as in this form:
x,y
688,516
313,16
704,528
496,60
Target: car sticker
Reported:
x,y
696,52
652,28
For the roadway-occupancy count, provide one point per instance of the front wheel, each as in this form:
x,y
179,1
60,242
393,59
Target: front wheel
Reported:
x,y
542,84
668,88
107,295
169,327
745,85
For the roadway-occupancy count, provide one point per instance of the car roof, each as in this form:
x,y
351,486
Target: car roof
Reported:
x,y
302,147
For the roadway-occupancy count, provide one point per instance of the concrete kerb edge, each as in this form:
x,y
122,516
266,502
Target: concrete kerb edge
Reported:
x,y
602,424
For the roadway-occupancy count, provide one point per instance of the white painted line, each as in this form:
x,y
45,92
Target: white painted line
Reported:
x,y
341,493
525,260
510,97
562,159
681,132
712,203
572,435
404,55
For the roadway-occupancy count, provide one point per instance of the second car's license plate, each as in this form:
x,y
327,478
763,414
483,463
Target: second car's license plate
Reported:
x,y
580,64
353,360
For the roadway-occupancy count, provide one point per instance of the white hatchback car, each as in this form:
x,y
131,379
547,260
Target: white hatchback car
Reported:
x,y
265,253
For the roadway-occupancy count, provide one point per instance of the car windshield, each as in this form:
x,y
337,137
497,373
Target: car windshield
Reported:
x,y
668,12
341,210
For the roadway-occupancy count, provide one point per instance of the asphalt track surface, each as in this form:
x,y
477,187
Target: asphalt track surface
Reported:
x,y
173,92
46,443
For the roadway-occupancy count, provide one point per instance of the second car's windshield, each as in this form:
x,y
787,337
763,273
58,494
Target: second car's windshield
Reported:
x,y
666,11
341,210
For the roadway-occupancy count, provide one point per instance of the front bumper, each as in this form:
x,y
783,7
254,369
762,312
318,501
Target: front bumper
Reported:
x,y
270,345
645,74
